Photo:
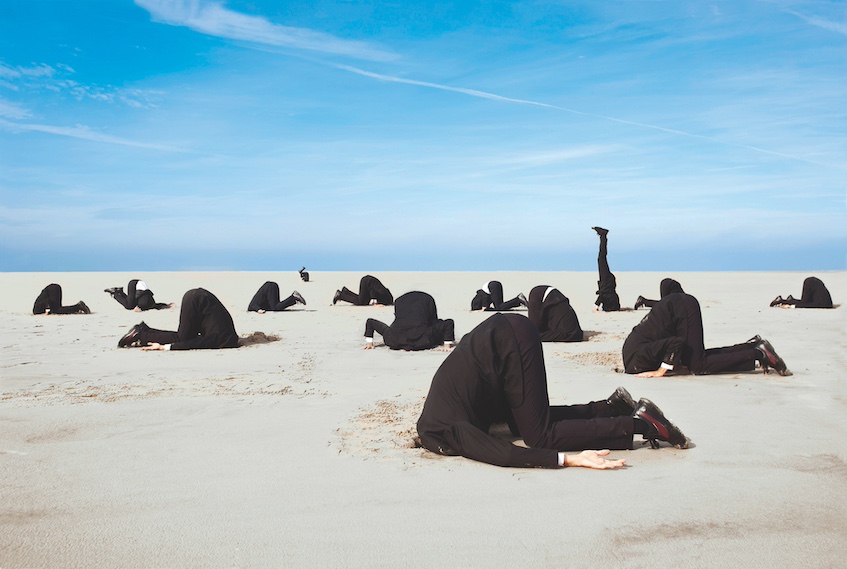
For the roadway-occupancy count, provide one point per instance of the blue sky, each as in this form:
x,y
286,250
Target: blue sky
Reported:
x,y
347,135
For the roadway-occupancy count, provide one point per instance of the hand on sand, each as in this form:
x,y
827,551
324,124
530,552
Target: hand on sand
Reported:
x,y
593,459
152,347
368,346
136,309
445,347
657,373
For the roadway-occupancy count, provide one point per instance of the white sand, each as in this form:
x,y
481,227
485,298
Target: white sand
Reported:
x,y
295,453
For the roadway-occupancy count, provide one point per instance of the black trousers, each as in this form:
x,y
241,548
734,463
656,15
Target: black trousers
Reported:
x,y
438,332
51,298
204,323
607,295
133,298
267,298
495,288
370,288
560,427
492,301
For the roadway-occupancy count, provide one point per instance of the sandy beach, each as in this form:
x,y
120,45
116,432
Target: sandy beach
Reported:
x,y
298,453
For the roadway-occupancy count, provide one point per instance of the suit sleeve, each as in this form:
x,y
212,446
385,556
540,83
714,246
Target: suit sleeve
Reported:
x,y
471,442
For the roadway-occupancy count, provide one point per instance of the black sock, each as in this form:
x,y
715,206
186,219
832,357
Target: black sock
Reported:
x,y
642,427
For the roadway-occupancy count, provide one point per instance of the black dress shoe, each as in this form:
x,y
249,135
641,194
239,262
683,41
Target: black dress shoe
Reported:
x,y
660,428
777,301
621,402
304,275
639,302
600,230
299,297
336,297
132,337
770,359
113,290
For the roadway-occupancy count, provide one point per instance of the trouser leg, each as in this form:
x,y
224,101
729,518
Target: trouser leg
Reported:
x,y
607,285
534,417
508,305
373,325
54,295
283,304
348,295
122,299
740,357
495,290
131,294
445,329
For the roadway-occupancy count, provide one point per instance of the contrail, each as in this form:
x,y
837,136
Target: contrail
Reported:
x,y
84,133
495,97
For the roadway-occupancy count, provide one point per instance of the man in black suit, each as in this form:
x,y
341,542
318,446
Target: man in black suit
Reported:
x,y
671,335
416,325
553,315
204,323
496,374
370,288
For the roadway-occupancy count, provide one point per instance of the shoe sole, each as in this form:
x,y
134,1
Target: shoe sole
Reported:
x,y
774,360
667,430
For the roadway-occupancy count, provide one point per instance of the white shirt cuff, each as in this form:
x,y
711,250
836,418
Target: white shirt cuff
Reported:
x,y
167,347
561,459
667,366
369,340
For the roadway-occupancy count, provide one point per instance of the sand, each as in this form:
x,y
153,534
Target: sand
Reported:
x,y
298,452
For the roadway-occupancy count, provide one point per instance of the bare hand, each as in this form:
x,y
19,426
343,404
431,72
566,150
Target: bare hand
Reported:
x,y
593,459
658,373
368,346
153,346
445,347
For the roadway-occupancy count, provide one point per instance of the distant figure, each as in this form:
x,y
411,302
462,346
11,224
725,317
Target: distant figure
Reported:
x,y
671,335
49,301
370,288
266,299
666,287
495,375
416,325
304,275
815,295
204,323
553,315
490,298
137,297
607,296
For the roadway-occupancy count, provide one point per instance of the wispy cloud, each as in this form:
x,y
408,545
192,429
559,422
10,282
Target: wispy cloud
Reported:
x,y
495,97
11,110
43,77
85,133
212,18
839,27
